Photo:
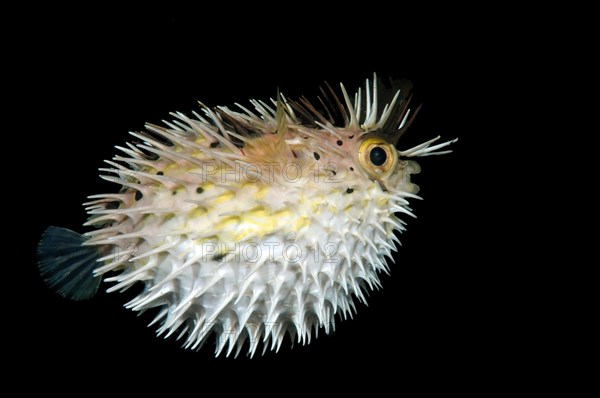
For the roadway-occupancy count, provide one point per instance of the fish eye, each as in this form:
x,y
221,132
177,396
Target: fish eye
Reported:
x,y
377,157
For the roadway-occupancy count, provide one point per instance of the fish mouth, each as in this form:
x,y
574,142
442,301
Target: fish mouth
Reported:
x,y
400,180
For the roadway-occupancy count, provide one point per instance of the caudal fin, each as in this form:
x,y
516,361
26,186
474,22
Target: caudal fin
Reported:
x,y
66,265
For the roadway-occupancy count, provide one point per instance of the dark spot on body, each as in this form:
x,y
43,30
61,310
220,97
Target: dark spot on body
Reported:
x,y
339,142
305,138
352,136
199,190
351,168
174,193
316,155
160,173
138,195
218,257
349,190
294,153
214,144
333,172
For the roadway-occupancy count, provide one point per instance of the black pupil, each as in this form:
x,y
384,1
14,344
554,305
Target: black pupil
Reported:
x,y
378,156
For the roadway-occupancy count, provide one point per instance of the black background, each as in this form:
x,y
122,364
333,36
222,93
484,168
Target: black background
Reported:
x,y
92,78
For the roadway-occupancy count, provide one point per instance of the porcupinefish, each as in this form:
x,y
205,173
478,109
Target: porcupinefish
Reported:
x,y
249,224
